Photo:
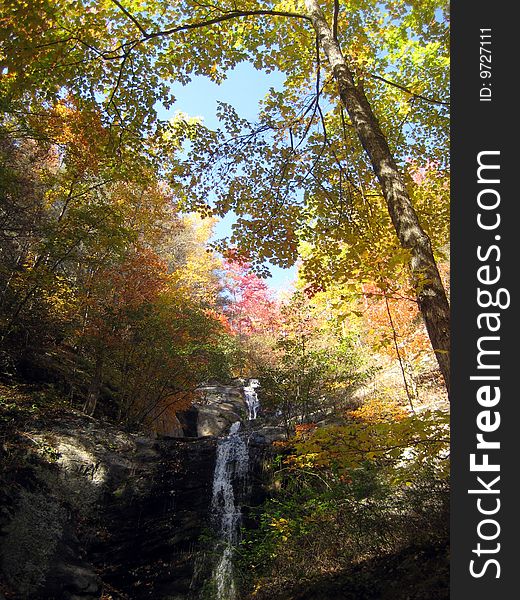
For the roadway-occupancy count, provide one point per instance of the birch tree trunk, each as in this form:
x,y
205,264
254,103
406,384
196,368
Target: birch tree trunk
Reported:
x,y
431,295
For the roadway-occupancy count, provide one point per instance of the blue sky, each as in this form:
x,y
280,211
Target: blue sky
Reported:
x,y
243,89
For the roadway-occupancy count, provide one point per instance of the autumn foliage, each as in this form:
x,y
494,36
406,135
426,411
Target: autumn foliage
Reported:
x,y
251,307
101,280
114,291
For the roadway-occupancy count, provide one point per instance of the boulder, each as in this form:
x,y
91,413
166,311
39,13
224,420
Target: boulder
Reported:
x,y
268,434
218,408
214,420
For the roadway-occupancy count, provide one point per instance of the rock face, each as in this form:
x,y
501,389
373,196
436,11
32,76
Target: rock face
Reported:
x,y
154,548
267,434
99,513
116,514
220,406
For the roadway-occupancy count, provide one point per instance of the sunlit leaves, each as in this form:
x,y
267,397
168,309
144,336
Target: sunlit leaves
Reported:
x,y
249,303
302,166
396,442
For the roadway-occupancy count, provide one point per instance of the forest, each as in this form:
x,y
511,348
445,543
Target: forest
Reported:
x,y
123,314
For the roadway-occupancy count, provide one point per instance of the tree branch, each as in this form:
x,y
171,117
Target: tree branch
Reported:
x,y
225,17
405,89
399,357
130,16
335,20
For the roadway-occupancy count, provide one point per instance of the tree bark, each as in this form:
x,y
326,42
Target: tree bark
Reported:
x,y
431,296
95,384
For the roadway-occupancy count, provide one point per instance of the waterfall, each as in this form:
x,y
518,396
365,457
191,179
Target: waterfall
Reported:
x,y
251,397
232,465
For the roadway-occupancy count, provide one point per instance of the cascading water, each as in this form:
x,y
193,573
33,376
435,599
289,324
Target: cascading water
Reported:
x,y
251,397
231,466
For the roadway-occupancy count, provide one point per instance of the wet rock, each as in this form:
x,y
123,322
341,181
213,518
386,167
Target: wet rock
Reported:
x,y
165,525
72,582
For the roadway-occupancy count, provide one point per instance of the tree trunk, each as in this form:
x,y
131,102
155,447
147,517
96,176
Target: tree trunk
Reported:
x,y
94,388
431,295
